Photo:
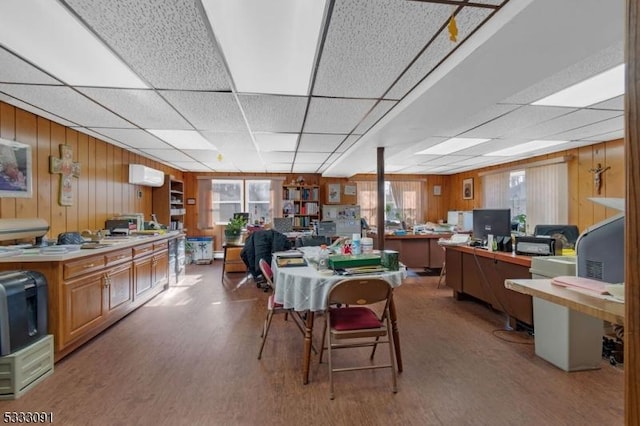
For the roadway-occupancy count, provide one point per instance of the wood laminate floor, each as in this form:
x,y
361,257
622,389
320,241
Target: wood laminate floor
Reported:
x,y
188,357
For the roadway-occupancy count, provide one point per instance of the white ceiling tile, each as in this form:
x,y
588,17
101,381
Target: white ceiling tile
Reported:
x,y
479,118
377,39
466,21
328,115
103,138
607,136
167,154
15,70
143,107
276,141
313,142
305,168
167,43
279,167
616,103
593,130
191,166
311,157
511,122
67,103
376,114
274,113
562,124
277,157
135,138
202,155
42,113
208,110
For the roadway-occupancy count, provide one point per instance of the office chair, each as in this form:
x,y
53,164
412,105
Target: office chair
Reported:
x,y
364,313
273,307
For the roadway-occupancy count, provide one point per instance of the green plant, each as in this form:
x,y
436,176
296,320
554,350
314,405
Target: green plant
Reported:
x,y
235,226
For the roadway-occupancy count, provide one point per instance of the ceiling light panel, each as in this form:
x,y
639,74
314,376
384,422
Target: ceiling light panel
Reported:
x,y
183,139
596,63
493,145
467,21
168,42
145,108
135,138
274,113
452,145
328,115
447,159
372,117
67,103
15,70
563,123
226,141
276,141
46,34
208,111
377,39
527,147
42,113
601,87
278,37
313,142
524,116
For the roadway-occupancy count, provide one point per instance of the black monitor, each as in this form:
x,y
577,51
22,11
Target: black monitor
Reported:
x,y
496,222
243,215
568,232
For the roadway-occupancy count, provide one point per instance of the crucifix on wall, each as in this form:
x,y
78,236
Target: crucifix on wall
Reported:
x,y
597,176
67,170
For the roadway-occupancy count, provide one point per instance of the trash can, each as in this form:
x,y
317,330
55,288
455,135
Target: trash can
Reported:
x,y
201,249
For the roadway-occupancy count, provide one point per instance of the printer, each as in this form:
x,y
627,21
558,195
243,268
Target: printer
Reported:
x,y
538,246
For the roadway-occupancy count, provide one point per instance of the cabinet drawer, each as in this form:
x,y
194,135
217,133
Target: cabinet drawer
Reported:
x,y
142,250
160,245
78,267
117,256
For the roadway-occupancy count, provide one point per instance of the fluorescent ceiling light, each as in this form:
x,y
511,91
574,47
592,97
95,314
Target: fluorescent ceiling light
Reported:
x,y
46,34
183,139
276,141
524,147
601,87
452,145
270,46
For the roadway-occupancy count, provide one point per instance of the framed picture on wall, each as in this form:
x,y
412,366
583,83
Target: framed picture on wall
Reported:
x,y
15,169
467,189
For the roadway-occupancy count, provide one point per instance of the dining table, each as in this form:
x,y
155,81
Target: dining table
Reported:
x,y
305,289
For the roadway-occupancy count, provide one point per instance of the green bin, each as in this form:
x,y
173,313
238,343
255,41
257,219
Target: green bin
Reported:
x,y
342,261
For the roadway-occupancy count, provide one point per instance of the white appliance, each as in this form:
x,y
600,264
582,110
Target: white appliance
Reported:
x,y
143,175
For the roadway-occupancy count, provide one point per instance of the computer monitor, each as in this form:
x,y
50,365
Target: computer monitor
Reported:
x,y
243,215
496,222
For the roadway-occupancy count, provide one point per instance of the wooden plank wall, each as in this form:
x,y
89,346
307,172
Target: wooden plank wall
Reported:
x,y
582,212
102,189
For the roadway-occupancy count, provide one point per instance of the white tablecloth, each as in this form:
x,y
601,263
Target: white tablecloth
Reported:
x,y
303,288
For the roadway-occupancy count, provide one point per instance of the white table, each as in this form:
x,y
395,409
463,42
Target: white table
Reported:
x,y
303,288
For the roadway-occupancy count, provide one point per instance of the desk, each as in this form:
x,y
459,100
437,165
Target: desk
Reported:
x,y
305,289
568,322
232,262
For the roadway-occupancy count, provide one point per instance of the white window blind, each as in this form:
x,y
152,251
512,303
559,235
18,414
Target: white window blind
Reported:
x,y
547,193
495,190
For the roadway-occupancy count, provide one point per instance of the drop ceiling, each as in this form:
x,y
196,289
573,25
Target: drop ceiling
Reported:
x,y
371,73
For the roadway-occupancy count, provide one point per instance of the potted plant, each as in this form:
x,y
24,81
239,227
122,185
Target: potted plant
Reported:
x,y
233,231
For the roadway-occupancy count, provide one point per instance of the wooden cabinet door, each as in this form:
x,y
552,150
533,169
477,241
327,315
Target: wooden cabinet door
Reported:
x,y
83,306
161,268
119,281
142,275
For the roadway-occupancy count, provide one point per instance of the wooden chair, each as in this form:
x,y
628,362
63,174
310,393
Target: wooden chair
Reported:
x,y
273,307
358,319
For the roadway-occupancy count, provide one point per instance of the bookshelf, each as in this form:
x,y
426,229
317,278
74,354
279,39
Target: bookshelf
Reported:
x,y
168,203
302,202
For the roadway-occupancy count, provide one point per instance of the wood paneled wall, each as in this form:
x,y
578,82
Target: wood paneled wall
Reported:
x,y
101,191
582,211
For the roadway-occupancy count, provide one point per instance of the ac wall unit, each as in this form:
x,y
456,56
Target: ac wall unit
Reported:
x,y
143,175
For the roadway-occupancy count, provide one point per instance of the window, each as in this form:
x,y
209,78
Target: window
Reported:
x,y
402,201
221,198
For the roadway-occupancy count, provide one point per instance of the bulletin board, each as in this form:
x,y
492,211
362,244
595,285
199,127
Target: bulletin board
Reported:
x,y
341,193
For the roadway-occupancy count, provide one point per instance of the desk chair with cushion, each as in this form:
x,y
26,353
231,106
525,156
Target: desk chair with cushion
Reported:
x,y
358,319
273,307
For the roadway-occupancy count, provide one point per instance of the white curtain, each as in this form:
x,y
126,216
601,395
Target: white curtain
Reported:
x,y
495,190
408,198
205,204
276,197
547,189
368,200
